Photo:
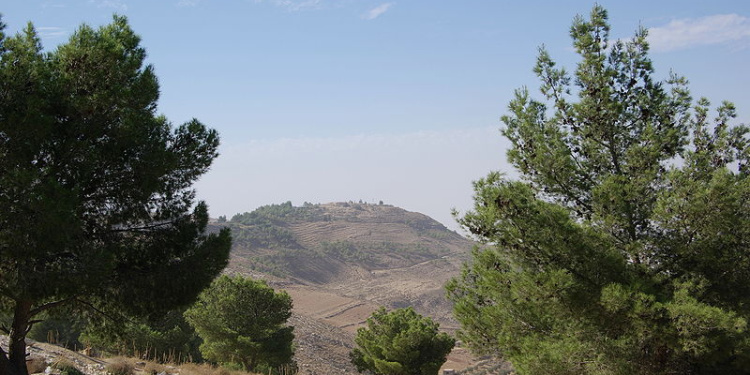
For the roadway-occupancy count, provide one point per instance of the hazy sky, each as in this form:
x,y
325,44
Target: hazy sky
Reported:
x,y
399,101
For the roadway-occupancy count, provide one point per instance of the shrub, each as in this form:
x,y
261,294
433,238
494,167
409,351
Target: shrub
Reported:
x,y
67,368
120,366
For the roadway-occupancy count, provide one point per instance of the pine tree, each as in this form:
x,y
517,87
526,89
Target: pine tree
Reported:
x,y
96,206
624,248
400,342
243,321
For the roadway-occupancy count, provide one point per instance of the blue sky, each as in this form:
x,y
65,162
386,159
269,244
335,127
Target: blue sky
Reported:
x,y
399,101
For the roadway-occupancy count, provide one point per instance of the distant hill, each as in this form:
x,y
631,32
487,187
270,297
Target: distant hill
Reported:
x,y
319,243
340,262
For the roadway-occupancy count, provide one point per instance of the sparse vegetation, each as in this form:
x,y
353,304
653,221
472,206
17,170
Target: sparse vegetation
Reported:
x,y
275,237
66,367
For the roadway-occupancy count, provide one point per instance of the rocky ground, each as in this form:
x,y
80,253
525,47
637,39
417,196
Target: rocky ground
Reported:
x,y
43,358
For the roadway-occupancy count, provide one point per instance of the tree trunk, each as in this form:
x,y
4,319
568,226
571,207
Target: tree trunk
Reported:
x,y
4,363
16,360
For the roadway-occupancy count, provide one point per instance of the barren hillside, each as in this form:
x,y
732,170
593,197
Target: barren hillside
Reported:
x,y
341,261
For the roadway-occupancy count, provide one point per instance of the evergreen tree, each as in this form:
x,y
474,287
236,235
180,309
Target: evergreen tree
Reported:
x,y
96,205
400,342
624,248
243,321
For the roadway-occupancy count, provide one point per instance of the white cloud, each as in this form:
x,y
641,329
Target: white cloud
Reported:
x,y
51,32
52,4
428,172
377,11
187,3
294,5
117,5
687,33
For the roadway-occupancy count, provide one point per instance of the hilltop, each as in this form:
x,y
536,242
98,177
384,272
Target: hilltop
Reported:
x,y
321,243
340,262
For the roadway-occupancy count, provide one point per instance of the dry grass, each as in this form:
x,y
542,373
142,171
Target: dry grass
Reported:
x,y
154,368
120,366
36,365
67,367
206,369
131,366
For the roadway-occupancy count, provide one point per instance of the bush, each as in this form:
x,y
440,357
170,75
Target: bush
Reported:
x,y
67,368
120,366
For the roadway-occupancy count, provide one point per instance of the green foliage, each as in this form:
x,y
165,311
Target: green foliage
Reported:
x,y
400,342
59,329
67,368
624,249
243,321
168,338
280,213
96,205
265,227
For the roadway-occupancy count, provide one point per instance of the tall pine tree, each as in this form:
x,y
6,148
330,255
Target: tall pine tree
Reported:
x,y
96,205
624,247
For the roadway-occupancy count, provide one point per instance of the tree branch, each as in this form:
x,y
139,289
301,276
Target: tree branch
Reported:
x,y
50,305
92,307
141,228
31,324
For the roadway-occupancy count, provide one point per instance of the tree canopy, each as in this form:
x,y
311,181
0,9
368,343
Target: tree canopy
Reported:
x,y
243,321
624,247
400,342
96,205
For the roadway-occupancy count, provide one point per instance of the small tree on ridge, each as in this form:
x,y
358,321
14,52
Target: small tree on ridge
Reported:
x,y
400,342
